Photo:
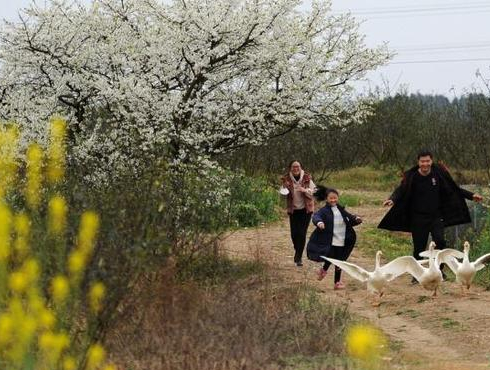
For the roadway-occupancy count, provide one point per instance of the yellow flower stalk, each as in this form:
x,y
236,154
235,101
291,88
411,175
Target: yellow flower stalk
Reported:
x,y
18,282
89,227
5,228
69,363
366,343
31,270
6,328
95,356
60,288
8,158
57,150
52,345
47,319
57,211
34,175
76,263
96,296
22,227
109,367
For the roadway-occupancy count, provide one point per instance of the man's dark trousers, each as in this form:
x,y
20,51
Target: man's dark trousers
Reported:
x,y
422,226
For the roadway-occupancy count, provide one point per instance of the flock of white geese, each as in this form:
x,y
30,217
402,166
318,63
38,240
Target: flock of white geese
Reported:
x,y
429,277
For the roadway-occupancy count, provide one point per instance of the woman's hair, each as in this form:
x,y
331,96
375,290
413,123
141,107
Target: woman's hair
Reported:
x,y
322,192
291,163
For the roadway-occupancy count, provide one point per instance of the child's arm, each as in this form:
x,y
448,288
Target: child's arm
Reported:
x,y
354,220
317,218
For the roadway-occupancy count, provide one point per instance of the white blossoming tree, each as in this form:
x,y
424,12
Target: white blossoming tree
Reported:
x,y
144,79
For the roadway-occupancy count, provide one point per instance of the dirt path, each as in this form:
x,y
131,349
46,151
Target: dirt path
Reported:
x,y
449,332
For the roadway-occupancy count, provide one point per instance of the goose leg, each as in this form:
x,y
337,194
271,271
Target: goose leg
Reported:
x,y
434,295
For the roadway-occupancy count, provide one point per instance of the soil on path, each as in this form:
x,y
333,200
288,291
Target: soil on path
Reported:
x,y
450,332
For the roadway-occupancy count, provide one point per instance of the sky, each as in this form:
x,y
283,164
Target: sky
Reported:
x,y
439,44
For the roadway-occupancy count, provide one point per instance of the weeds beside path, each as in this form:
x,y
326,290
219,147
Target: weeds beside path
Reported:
x,y
450,332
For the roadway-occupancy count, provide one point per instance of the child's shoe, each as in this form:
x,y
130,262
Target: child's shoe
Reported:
x,y
321,274
339,286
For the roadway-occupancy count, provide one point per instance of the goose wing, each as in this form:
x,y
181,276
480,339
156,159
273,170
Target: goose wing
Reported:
x,y
482,261
398,267
412,266
449,260
443,253
353,270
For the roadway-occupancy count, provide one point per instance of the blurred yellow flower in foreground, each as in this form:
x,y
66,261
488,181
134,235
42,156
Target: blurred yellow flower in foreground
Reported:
x,y
95,356
57,211
365,342
60,287
96,296
8,158
57,150
34,175
5,226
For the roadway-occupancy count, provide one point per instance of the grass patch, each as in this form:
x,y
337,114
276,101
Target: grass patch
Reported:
x,y
364,178
449,323
409,312
212,269
392,244
244,322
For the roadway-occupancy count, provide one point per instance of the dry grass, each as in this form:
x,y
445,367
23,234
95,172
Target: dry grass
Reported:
x,y
249,323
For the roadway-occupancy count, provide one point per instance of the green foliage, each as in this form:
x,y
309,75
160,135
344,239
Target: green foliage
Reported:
x,y
479,247
392,245
252,200
364,178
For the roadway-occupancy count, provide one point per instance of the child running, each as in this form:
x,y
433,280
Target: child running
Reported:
x,y
334,235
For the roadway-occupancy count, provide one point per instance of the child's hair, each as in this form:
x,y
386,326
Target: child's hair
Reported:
x,y
322,192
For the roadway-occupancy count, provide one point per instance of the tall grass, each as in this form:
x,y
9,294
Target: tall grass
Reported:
x,y
363,178
246,322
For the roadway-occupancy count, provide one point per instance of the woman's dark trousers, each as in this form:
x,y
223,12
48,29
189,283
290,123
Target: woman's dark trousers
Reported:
x,y
299,221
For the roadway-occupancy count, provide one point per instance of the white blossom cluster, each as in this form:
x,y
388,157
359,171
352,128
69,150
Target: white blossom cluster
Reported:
x,y
141,79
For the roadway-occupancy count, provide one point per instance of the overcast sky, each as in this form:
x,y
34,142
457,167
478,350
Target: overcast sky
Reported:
x,y
440,43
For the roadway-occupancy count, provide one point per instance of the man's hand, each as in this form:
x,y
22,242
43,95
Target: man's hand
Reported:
x,y
359,220
387,203
477,197
320,225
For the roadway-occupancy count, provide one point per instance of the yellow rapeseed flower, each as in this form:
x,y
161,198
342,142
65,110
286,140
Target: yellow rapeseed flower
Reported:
x,y
365,342
5,226
22,226
76,263
57,210
34,175
52,345
96,296
69,363
31,270
60,288
46,319
6,328
8,158
18,282
109,367
57,150
89,226
95,356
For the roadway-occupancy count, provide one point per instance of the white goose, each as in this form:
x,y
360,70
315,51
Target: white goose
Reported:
x,y
465,271
378,279
430,277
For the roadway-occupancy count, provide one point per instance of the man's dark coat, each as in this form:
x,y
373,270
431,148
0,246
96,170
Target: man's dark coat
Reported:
x,y
453,208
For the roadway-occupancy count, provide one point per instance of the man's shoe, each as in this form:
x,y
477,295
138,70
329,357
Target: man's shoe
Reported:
x,y
414,281
299,263
339,286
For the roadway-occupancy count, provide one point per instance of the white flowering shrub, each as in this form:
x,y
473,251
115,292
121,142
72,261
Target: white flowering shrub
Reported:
x,y
145,79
